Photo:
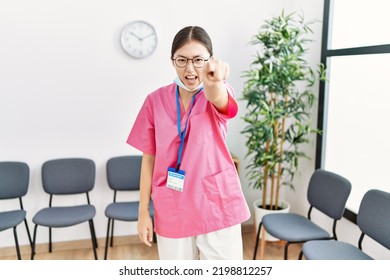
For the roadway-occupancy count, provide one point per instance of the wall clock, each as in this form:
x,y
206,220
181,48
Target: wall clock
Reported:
x,y
139,39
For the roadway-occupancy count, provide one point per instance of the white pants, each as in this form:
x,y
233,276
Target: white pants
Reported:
x,y
224,244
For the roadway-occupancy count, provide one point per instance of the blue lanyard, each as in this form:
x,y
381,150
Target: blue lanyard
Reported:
x,y
182,135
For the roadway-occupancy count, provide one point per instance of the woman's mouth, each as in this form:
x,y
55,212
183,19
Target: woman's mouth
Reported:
x,y
191,80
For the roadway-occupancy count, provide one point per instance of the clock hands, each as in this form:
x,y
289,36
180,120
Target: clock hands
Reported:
x,y
141,38
135,35
151,34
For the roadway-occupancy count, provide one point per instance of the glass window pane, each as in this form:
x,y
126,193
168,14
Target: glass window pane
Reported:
x,y
359,23
358,128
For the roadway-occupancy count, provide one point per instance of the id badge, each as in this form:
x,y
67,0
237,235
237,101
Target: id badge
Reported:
x,y
175,179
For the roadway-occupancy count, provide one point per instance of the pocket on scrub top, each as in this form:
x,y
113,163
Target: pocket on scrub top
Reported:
x,y
223,190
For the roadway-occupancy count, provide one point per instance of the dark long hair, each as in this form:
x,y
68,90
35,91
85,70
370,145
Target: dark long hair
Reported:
x,y
191,33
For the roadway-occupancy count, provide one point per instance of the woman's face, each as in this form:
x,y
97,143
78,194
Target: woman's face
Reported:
x,y
189,74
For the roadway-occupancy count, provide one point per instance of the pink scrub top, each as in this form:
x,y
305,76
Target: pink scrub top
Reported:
x,y
212,197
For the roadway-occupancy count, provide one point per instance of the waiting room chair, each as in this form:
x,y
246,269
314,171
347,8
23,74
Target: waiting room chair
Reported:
x,y
327,192
123,175
65,177
373,219
14,181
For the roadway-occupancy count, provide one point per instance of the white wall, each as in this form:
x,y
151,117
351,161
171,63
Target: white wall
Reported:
x,y
67,89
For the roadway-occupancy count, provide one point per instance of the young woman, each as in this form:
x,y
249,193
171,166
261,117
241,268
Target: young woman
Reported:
x,y
187,169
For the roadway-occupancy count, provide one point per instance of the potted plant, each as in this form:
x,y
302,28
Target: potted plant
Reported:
x,y
279,97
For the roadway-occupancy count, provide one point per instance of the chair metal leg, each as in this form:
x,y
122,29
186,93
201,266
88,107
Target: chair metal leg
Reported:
x,y
17,244
107,237
93,238
257,241
300,255
286,250
50,247
154,233
33,243
94,234
28,232
112,233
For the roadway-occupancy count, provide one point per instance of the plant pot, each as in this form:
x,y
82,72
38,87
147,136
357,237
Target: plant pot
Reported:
x,y
284,207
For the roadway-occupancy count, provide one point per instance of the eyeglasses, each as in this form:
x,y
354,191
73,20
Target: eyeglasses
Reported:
x,y
197,62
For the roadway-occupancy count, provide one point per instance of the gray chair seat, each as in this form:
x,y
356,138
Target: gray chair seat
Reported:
x,y
293,227
57,217
123,211
333,250
11,219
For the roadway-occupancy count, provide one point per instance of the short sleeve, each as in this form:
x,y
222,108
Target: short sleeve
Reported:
x,y
232,107
142,134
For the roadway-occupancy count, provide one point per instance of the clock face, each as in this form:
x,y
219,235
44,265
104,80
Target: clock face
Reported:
x,y
139,39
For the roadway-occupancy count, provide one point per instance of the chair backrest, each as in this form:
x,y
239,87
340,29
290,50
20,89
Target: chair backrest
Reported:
x,y
68,176
14,179
328,192
123,172
373,216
